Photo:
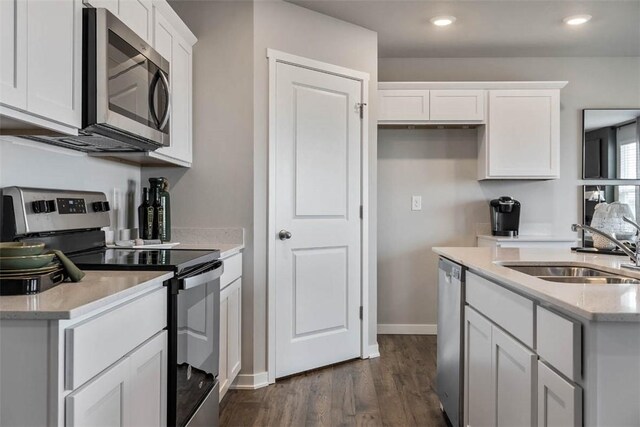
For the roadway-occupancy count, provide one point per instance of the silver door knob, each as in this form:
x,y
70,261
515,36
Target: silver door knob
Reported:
x,y
284,235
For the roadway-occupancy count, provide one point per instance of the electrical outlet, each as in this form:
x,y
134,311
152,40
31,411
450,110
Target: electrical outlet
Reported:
x,y
416,203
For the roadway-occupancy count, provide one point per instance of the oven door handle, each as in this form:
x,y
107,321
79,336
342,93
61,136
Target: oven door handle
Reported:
x,y
201,279
153,87
167,93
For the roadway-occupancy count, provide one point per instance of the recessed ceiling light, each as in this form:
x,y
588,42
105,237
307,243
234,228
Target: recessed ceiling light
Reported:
x,y
577,19
443,21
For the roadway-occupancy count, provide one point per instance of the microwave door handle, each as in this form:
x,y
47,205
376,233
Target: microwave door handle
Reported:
x,y
201,279
167,93
152,91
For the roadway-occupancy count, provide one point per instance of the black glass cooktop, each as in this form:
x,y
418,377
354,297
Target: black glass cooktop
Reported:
x,y
143,259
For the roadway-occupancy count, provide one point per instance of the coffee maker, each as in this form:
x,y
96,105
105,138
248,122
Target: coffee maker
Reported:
x,y
505,216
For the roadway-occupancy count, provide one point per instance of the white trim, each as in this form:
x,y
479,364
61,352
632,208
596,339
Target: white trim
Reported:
x,y
38,121
250,381
374,351
473,85
408,329
312,64
274,57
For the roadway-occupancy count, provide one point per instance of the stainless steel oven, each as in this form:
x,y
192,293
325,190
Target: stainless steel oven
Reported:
x,y
126,91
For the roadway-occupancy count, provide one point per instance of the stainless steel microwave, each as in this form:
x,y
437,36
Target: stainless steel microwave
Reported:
x,y
126,91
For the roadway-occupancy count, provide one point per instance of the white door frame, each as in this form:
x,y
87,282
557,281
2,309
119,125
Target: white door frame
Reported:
x,y
274,57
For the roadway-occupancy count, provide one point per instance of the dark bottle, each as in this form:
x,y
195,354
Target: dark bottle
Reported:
x,y
161,185
145,216
158,215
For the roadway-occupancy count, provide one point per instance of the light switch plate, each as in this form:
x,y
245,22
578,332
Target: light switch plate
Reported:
x,y
416,203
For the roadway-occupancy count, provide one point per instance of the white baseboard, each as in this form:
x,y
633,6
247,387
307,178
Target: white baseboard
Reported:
x,y
250,381
407,329
374,351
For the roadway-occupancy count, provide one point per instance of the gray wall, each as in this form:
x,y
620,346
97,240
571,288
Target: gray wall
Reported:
x,y
441,166
295,30
217,191
33,164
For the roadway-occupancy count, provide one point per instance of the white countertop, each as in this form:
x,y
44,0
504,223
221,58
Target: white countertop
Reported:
x,y
528,238
226,249
589,301
69,300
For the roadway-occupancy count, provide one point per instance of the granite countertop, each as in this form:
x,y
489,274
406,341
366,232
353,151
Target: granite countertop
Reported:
x,y
226,249
69,300
529,238
589,301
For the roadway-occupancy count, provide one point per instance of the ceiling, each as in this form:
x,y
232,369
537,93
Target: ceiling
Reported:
x,y
596,119
495,28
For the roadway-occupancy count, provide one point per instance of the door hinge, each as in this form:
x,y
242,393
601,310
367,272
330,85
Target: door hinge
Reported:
x,y
360,108
361,312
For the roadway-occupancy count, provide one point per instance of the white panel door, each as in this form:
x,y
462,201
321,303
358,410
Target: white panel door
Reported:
x,y
148,364
559,401
234,329
524,133
514,379
103,401
54,58
479,399
136,14
317,200
457,105
223,370
13,53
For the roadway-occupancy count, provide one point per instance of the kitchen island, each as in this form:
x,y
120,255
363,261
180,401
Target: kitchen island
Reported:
x,y
545,352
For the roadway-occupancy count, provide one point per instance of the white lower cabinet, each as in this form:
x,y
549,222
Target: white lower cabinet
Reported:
x,y
132,392
559,401
478,399
230,322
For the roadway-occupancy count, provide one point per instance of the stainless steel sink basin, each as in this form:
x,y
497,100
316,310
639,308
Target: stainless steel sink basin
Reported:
x,y
572,274
601,280
558,270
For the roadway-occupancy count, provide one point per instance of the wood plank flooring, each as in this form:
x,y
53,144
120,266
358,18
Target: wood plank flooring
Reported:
x,y
396,389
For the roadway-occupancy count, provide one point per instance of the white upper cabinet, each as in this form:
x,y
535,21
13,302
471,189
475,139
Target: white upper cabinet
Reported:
x,y
170,44
456,105
522,135
41,67
135,14
404,105
13,48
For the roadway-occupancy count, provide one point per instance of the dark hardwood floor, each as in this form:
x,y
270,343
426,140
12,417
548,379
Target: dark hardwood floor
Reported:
x,y
396,389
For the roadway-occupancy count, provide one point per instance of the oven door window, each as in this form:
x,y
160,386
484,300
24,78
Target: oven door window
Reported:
x,y
137,88
198,336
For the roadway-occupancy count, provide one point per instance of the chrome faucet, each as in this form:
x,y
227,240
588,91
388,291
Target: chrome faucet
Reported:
x,y
635,258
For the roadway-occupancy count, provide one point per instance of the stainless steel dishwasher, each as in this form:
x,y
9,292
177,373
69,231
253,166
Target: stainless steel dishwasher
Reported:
x,y
450,340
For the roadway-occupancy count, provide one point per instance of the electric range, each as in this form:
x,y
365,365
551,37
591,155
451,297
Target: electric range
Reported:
x,y
72,222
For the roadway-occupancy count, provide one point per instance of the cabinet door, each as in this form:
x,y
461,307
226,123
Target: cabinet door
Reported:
x,y
54,55
523,134
102,401
170,45
456,105
233,329
13,51
514,373
403,105
110,5
136,14
223,377
559,401
478,396
148,366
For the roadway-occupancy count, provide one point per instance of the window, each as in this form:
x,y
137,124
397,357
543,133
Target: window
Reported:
x,y
627,142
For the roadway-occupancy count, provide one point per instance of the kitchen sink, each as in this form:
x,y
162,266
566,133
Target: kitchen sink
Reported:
x,y
572,274
558,270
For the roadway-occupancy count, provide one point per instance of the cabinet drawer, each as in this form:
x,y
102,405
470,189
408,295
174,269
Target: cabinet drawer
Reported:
x,y
559,401
458,105
232,270
510,311
93,345
559,342
404,105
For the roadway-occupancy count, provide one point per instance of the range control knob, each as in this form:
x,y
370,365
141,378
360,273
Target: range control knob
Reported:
x,y
39,206
50,206
101,206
